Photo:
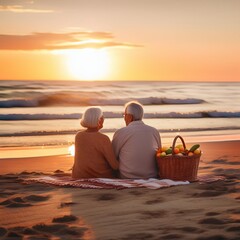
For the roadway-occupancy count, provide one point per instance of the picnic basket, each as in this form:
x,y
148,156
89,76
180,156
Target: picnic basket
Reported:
x,y
180,168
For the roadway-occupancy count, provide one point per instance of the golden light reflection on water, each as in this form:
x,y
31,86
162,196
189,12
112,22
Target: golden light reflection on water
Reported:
x,y
71,150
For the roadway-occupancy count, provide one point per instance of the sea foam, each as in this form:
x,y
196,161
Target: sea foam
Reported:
x,y
64,99
44,116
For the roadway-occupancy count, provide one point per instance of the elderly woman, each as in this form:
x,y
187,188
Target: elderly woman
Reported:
x,y
94,156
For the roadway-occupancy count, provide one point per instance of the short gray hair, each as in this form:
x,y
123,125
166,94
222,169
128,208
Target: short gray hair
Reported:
x,y
91,116
134,108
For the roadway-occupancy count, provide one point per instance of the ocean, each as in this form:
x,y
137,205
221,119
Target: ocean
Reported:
x,y
47,113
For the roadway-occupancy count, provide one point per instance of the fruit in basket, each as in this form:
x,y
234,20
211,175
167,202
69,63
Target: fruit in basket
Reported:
x,y
180,154
169,151
163,154
194,147
180,147
164,149
197,151
176,150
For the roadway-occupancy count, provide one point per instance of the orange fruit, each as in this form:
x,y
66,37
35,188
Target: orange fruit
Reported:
x,y
176,150
164,148
158,154
181,149
159,150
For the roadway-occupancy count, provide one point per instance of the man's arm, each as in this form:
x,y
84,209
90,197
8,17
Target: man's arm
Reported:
x,y
116,143
158,138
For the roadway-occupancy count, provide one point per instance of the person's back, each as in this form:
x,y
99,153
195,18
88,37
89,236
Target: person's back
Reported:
x,y
94,156
135,145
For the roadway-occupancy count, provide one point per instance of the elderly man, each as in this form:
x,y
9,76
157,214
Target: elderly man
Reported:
x,y
135,145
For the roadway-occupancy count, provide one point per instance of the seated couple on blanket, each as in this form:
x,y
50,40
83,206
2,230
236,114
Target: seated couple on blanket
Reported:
x,y
131,154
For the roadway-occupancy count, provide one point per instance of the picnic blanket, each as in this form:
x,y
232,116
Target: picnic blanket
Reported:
x,y
110,183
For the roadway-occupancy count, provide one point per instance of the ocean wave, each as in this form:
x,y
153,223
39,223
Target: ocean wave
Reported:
x,y
43,116
11,103
89,99
110,130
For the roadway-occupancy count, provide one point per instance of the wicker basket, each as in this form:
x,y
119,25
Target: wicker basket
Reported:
x,y
181,168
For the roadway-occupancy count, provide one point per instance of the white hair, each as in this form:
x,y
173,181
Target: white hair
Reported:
x,y
91,116
134,108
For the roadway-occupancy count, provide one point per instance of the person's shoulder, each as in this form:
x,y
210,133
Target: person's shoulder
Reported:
x,y
151,128
103,136
121,130
79,133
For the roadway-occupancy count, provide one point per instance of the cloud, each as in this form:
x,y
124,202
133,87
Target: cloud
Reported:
x,y
57,41
21,9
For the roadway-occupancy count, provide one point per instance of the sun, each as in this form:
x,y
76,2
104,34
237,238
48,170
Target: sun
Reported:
x,y
88,64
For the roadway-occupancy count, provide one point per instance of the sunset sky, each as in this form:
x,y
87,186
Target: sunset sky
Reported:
x,y
188,40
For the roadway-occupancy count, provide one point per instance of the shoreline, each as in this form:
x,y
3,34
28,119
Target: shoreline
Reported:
x,y
55,150
59,158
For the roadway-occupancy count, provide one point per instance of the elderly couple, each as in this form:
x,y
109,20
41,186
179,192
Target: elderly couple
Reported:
x,y
132,151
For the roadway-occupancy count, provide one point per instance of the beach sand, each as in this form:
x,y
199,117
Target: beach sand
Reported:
x,y
195,211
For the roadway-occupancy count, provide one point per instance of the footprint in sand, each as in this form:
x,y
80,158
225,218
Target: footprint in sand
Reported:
x,y
27,201
233,229
154,214
106,197
208,194
136,193
234,210
155,201
66,204
212,214
138,236
15,203
214,237
227,172
36,198
191,229
61,230
65,219
172,236
189,211
213,221
43,231
224,161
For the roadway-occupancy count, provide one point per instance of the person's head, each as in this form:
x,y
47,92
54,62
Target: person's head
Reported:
x,y
133,112
92,118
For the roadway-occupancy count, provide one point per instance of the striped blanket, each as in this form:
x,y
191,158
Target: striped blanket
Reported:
x,y
106,183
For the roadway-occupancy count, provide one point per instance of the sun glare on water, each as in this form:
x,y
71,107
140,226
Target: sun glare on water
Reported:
x,y
71,150
88,64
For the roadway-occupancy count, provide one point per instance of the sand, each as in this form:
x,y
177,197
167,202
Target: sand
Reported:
x,y
194,211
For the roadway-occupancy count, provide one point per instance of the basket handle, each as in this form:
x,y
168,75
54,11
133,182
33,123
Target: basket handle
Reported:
x,y
174,142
